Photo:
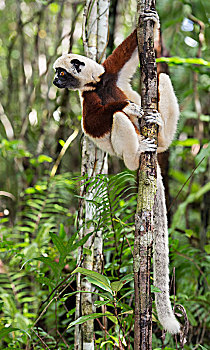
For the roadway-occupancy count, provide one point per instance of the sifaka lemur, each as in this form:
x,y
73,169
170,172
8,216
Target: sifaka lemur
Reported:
x,y
111,109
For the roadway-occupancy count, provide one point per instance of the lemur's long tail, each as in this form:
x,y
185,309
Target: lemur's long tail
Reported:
x,y
161,260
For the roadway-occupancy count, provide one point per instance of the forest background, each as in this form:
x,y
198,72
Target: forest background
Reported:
x,y
38,204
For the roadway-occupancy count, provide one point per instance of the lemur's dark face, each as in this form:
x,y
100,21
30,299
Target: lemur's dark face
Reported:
x,y
63,79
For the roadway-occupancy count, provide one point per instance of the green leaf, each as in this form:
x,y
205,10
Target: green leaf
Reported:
x,y
102,295
115,339
43,158
191,318
78,244
111,317
193,197
126,294
127,278
99,284
155,289
86,318
180,60
62,232
186,143
6,330
164,348
30,190
97,277
189,233
54,7
116,286
45,280
70,242
58,243
207,248
62,142
204,153
106,342
98,303
52,264
126,312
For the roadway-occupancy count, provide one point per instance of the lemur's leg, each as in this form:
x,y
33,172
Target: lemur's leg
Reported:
x,y
169,110
169,113
104,143
126,143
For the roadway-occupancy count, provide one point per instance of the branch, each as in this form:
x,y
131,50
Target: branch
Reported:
x,y
147,184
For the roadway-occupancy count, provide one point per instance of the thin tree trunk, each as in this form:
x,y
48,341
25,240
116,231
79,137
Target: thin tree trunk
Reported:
x,y
94,161
146,186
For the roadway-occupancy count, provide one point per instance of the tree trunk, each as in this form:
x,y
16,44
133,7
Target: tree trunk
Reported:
x,y
94,161
147,185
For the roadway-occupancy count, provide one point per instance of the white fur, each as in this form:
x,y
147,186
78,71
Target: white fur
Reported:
x,y
126,73
167,106
124,142
161,261
122,130
169,110
104,143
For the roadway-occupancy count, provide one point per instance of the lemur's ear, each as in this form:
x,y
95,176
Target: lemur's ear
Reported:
x,y
77,64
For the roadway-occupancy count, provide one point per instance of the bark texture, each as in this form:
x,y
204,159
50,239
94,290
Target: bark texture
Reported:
x,y
94,161
147,184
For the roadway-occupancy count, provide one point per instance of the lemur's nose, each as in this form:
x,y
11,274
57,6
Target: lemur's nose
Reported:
x,y
57,82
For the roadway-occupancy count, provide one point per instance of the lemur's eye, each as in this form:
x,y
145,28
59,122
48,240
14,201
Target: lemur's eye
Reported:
x,y
62,73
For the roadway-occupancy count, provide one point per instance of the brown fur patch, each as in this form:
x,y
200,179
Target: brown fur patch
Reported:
x,y
106,99
98,118
107,89
115,62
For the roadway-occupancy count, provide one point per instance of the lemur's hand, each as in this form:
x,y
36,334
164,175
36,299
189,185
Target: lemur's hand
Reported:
x,y
154,117
133,109
153,15
147,145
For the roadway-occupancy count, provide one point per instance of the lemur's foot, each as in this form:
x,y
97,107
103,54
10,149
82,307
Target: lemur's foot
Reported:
x,y
152,15
154,117
133,109
147,145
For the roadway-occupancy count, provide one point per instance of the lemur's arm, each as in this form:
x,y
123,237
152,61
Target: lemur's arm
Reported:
x,y
98,118
121,55
126,51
